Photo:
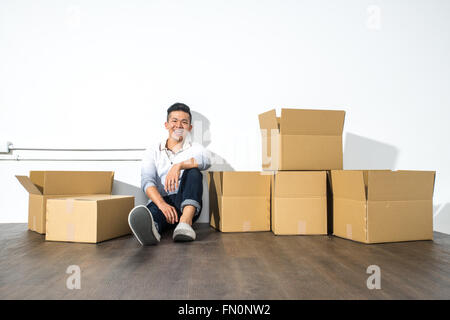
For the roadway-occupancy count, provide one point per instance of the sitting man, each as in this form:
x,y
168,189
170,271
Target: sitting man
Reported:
x,y
171,179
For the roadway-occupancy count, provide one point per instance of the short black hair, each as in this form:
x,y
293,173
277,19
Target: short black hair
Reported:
x,y
179,107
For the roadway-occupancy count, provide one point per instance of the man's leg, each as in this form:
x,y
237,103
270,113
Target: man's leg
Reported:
x,y
189,196
189,201
188,214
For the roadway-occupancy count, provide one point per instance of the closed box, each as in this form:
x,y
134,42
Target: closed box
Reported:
x,y
374,206
302,139
42,185
91,218
299,203
239,201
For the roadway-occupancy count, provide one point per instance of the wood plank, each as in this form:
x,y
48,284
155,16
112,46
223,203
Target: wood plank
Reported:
x,y
219,265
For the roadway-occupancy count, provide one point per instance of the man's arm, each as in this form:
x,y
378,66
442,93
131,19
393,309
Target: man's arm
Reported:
x,y
169,211
172,178
149,187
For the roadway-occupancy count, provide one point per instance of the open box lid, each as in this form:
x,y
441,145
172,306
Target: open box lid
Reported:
x,y
303,184
268,120
245,184
400,185
348,184
68,182
383,185
312,122
304,121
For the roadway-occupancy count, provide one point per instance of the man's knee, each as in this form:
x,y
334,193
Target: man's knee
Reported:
x,y
193,173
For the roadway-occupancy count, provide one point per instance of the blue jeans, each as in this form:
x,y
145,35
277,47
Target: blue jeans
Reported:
x,y
189,192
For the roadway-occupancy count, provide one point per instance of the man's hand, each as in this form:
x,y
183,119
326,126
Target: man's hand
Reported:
x,y
171,183
170,212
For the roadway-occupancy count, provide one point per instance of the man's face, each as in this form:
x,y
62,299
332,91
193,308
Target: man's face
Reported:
x,y
178,125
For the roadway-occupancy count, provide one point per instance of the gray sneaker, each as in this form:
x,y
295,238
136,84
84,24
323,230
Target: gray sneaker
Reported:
x,y
143,227
183,232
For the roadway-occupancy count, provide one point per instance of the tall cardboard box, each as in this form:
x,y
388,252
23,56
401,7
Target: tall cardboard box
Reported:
x,y
239,201
302,139
91,218
299,203
42,185
374,206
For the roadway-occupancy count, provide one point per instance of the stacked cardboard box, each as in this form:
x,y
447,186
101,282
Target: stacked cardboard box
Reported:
x,y
290,195
310,193
299,147
299,202
76,205
302,139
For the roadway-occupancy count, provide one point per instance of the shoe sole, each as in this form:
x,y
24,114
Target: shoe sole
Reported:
x,y
141,223
182,238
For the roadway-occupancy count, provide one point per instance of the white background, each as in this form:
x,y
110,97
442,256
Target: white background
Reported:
x,y
101,74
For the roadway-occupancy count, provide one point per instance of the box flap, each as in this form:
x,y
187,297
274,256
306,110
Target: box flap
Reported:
x,y
348,184
28,185
245,183
94,197
268,120
37,177
300,184
78,182
312,122
400,185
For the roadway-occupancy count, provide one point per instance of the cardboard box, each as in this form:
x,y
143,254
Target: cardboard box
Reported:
x,y
374,206
302,139
299,202
42,185
239,201
91,218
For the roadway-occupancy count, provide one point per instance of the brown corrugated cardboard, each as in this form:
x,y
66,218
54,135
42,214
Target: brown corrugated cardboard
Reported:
x,y
92,218
42,185
302,139
299,202
374,206
239,201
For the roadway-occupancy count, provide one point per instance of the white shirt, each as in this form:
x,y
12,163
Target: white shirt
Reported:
x,y
158,160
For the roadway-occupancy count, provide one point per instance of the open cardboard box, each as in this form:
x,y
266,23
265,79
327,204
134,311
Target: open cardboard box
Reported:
x,y
299,203
42,185
302,139
88,218
239,201
374,206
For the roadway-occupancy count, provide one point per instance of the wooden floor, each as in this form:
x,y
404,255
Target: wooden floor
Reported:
x,y
222,266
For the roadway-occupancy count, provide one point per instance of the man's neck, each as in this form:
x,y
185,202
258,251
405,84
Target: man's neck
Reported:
x,y
174,145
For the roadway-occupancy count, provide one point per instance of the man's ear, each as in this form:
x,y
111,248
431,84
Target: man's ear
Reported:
x,y
166,125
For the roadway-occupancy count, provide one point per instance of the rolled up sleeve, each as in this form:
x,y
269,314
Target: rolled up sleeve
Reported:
x,y
148,170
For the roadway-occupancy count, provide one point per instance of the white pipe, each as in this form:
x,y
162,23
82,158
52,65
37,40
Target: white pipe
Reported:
x,y
12,148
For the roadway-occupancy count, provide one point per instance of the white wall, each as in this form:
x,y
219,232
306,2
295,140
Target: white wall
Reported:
x,y
81,74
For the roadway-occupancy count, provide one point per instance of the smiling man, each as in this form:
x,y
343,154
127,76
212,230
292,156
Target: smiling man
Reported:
x,y
171,179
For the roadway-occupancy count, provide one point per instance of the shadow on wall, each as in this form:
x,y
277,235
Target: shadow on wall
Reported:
x,y
365,153
123,188
201,134
441,217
